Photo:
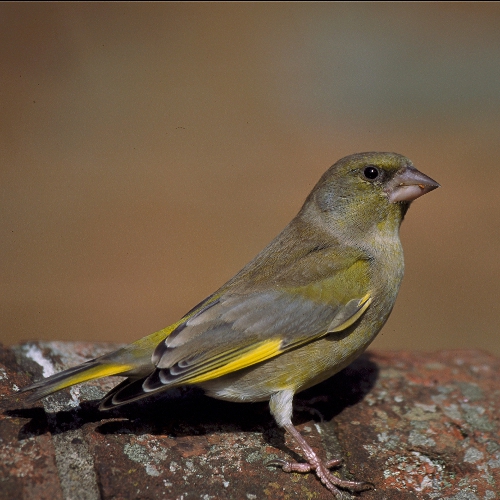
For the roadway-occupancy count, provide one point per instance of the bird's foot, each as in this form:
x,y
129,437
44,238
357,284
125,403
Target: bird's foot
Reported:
x,y
321,468
288,466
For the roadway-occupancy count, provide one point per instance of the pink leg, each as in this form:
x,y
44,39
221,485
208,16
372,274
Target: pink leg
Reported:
x,y
321,468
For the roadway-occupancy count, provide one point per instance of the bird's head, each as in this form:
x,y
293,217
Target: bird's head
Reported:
x,y
366,190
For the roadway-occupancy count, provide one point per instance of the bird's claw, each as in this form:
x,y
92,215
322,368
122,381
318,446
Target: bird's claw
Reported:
x,y
333,483
275,462
288,466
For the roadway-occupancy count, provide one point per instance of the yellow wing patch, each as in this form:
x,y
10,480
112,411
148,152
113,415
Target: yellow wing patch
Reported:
x,y
245,358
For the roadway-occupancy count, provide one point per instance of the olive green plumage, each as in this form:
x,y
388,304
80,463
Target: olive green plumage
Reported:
x,y
300,311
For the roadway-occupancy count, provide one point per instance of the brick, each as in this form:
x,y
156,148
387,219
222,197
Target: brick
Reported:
x,y
417,425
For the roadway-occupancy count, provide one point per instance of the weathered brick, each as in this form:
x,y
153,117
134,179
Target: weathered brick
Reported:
x,y
417,425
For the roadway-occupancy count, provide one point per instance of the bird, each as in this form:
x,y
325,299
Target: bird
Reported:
x,y
302,310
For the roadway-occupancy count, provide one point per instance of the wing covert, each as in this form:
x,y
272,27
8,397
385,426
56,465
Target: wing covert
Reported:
x,y
238,331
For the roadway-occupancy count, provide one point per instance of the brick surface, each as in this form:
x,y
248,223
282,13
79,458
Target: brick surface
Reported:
x,y
417,425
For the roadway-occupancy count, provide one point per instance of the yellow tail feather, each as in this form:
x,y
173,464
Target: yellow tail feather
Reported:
x,y
87,371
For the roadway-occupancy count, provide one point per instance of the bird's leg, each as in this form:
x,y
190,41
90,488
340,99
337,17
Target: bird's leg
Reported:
x,y
280,405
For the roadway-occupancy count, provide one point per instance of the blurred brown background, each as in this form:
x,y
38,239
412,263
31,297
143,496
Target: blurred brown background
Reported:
x,y
148,151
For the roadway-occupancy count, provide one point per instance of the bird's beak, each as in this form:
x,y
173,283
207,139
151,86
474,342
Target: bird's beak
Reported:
x,y
408,185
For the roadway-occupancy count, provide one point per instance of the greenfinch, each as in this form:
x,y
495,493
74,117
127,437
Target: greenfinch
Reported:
x,y
303,309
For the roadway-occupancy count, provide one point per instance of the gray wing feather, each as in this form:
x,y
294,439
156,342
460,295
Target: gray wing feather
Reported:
x,y
238,321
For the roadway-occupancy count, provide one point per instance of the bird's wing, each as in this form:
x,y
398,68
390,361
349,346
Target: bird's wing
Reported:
x,y
239,331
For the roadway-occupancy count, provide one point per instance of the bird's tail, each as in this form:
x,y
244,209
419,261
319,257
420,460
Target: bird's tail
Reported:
x,y
133,360
95,368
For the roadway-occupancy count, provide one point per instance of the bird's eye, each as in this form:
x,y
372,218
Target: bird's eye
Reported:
x,y
371,172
